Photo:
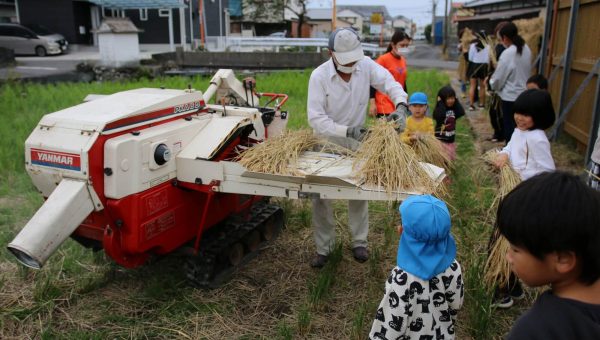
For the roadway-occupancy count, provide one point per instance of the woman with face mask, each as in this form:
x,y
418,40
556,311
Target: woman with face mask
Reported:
x,y
394,61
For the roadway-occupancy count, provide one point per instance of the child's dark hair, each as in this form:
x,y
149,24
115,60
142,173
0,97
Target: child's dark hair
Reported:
x,y
554,212
538,105
539,80
397,37
511,31
445,93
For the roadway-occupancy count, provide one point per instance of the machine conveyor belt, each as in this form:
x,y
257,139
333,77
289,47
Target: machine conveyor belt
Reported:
x,y
324,175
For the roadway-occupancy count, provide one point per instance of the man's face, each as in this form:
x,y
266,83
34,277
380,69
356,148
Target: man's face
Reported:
x,y
344,68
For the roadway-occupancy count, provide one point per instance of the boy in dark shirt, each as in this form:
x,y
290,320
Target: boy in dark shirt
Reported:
x,y
552,223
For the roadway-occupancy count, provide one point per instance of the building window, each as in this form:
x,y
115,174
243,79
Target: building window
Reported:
x,y
164,12
143,14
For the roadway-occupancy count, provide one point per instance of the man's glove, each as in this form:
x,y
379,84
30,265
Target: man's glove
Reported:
x,y
356,132
399,117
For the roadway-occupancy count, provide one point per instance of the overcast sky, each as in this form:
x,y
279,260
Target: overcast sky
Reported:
x,y
418,10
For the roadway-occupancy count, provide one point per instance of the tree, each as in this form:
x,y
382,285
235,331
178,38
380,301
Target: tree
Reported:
x,y
298,7
262,11
428,33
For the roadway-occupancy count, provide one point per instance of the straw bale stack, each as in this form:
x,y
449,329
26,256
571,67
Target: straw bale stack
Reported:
x,y
532,31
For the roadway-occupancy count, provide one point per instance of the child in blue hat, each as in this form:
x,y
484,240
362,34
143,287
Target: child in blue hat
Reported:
x,y
425,290
417,123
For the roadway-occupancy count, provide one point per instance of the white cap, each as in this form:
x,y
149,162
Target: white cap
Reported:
x,y
345,45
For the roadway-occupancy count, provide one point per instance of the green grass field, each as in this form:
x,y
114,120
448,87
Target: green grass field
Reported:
x,y
80,294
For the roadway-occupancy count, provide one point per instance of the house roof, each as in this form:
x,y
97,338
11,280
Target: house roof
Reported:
x,y
117,25
500,14
319,13
401,17
366,11
135,4
477,3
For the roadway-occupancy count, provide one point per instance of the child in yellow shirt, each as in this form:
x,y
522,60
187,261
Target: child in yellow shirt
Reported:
x,y
417,124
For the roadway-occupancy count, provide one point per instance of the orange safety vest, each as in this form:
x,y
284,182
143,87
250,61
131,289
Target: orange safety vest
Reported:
x,y
397,68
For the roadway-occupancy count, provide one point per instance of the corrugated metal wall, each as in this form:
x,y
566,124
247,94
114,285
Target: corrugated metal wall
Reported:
x,y
585,52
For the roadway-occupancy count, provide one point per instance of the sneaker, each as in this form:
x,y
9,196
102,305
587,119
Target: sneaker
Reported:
x,y
471,108
504,301
361,254
319,261
517,292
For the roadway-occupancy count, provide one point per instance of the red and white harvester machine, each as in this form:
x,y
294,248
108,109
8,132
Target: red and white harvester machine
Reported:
x,y
151,171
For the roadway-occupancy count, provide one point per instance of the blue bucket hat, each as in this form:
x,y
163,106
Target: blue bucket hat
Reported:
x,y
426,246
418,98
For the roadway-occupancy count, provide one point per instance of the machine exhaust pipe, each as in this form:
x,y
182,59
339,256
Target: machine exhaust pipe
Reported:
x,y
68,205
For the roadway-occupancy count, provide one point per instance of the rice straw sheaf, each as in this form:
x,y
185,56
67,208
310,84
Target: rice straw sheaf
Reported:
x,y
279,155
497,269
508,178
384,161
430,150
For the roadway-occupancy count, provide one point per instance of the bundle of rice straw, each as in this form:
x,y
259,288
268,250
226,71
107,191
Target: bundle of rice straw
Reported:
x,y
430,150
508,179
279,155
466,39
497,269
384,161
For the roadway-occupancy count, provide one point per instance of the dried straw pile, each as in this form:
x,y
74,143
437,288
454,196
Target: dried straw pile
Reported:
x,y
384,161
430,150
465,41
279,155
532,31
497,269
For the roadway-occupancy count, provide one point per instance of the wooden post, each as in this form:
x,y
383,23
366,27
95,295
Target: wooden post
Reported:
x,y
201,21
334,17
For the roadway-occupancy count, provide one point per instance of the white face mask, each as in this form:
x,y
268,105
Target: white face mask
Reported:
x,y
403,50
344,69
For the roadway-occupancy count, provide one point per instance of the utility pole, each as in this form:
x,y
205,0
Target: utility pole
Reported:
x,y
432,34
445,47
201,20
333,17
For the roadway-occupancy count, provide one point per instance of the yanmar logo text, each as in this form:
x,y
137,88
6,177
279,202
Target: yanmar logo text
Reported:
x,y
186,107
63,160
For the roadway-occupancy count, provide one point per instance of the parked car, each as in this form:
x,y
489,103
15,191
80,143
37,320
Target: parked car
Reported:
x,y
278,34
419,36
24,40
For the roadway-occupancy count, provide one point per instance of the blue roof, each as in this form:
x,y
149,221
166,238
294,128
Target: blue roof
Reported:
x,y
235,8
135,4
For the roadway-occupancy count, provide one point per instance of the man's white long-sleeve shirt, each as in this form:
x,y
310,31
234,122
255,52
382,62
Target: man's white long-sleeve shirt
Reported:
x,y
510,77
334,104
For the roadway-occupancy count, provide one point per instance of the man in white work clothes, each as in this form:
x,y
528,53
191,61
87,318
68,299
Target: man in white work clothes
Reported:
x,y
338,93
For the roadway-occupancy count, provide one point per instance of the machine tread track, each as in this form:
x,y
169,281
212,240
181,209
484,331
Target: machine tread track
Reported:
x,y
213,265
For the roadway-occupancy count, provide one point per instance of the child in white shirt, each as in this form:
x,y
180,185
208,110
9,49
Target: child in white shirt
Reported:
x,y
529,148
529,154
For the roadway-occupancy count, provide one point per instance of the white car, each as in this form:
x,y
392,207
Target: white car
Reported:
x,y
24,40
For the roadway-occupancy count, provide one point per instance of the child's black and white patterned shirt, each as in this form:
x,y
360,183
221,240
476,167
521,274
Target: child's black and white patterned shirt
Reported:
x,y
413,308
